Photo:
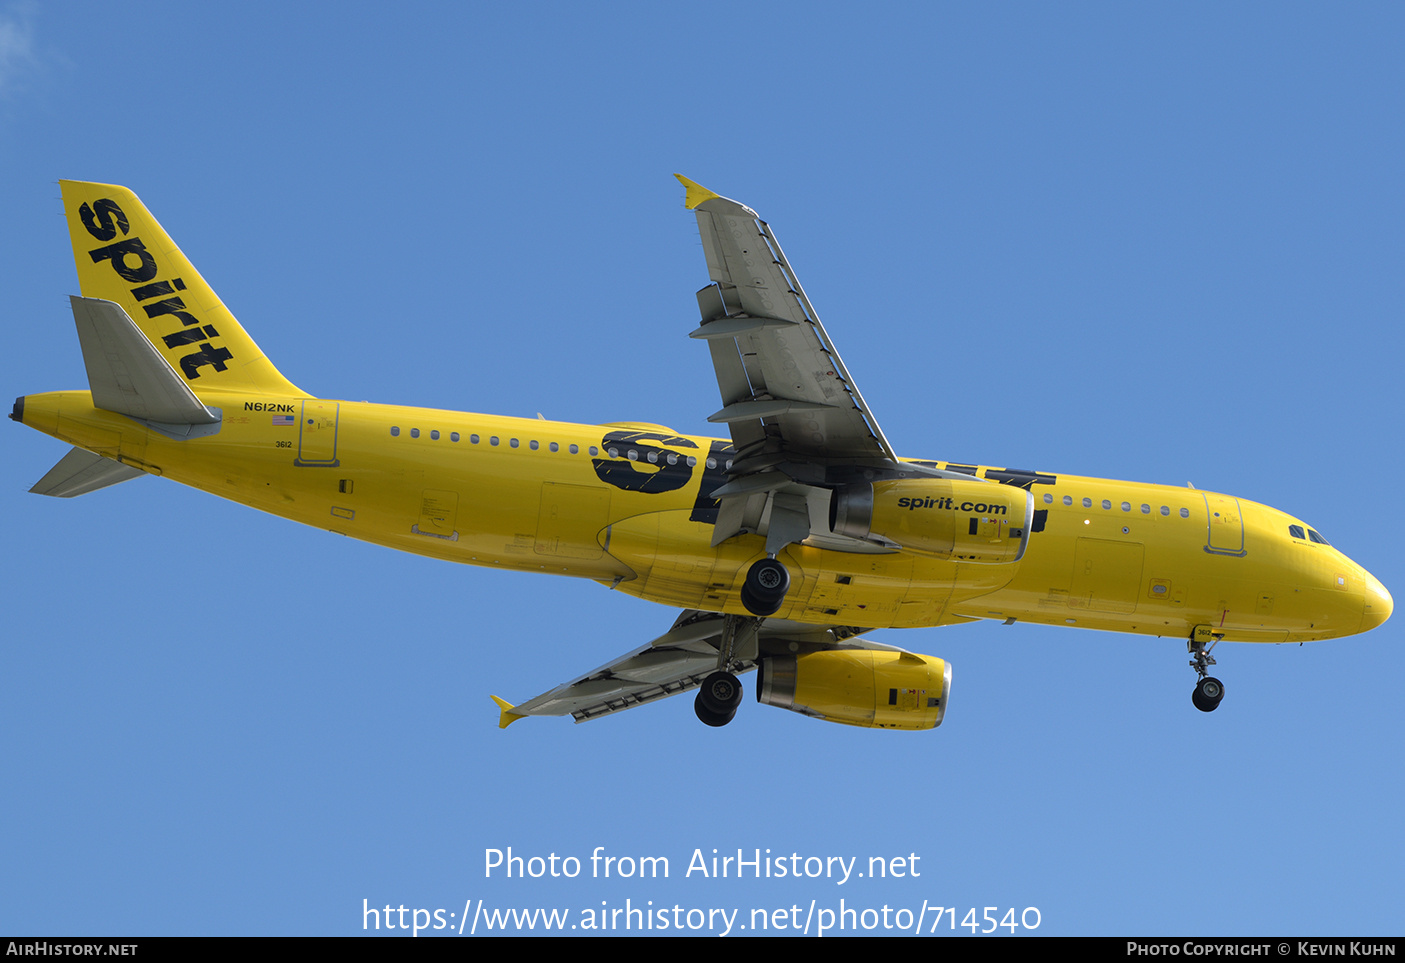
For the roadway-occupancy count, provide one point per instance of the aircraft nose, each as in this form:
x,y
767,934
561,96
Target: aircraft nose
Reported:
x,y
1377,605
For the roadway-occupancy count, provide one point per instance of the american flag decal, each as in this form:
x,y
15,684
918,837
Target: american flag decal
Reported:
x,y
283,420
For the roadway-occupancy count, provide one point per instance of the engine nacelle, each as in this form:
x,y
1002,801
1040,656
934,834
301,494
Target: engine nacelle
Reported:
x,y
970,521
874,689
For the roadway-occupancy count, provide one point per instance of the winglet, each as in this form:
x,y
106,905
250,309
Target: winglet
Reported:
x,y
508,717
696,193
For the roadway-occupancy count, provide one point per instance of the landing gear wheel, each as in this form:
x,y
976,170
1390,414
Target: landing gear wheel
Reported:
x,y
765,586
721,693
1208,693
709,717
756,607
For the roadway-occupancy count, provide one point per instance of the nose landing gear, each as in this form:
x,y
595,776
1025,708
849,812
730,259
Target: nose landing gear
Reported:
x,y
1208,693
1209,690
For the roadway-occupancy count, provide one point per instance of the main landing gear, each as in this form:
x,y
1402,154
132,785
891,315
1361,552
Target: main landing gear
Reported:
x,y
763,592
718,698
721,692
1209,690
765,586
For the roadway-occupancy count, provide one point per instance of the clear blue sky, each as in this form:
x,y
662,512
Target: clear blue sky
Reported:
x,y
1157,242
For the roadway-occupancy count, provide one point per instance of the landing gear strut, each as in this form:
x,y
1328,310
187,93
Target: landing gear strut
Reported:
x,y
765,586
1209,690
721,692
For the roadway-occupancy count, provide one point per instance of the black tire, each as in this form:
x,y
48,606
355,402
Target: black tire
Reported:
x,y
1208,693
721,692
765,586
708,717
756,607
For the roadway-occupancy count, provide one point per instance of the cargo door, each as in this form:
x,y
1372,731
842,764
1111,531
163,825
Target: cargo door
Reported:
x,y
570,520
1106,575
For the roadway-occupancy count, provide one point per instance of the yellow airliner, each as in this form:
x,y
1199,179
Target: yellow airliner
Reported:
x,y
781,544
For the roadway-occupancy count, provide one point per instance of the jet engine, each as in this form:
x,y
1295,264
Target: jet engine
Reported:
x,y
874,689
970,521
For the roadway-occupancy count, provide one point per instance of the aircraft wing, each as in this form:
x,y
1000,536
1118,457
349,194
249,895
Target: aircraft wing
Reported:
x,y
784,388
677,661
800,427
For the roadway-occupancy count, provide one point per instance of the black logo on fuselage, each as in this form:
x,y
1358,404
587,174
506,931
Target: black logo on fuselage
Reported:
x,y
671,471
104,220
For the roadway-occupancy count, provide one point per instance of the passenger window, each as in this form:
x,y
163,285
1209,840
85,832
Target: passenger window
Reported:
x,y
434,434
1146,509
1126,506
473,439
595,451
493,441
554,446
513,442
1068,499
1107,504
532,444
1165,510
394,431
574,449
1048,499
453,436
414,432
1087,503
1185,513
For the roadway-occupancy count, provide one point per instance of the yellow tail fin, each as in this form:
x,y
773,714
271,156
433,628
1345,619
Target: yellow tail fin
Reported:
x,y
124,255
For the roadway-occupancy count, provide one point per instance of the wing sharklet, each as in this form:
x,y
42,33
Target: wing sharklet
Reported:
x,y
506,716
696,194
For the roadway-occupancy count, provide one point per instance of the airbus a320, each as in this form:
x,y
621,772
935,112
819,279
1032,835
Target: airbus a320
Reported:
x,y
782,543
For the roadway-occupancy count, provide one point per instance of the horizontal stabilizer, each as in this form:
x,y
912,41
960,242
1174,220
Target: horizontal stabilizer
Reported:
x,y
80,472
128,376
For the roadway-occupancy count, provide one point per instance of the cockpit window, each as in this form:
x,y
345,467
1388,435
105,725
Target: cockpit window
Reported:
x,y
1296,531
1313,536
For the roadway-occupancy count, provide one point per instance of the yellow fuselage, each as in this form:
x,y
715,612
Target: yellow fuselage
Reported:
x,y
547,496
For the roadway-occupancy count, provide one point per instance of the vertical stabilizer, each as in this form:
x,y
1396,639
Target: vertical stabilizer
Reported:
x,y
124,256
